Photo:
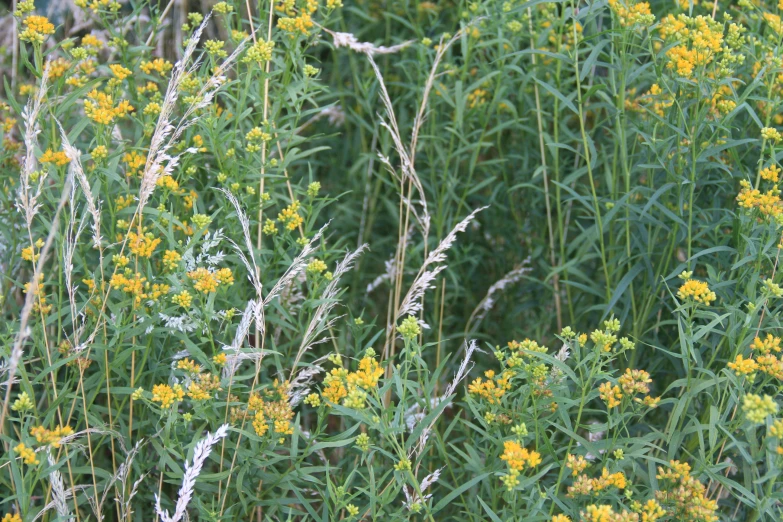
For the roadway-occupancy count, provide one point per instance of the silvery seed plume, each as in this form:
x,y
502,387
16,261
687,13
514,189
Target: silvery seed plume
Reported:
x,y
78,173
252,266
27,201
420,115
300,386
69,248
488,302
295,268
68,494
192,471
166,134
58,490
406,163
234,355
351,42
411,303
320,321
413,497
462,371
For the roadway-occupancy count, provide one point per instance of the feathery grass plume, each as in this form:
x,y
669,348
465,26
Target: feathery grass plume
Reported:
x,y
67,494
411,303
299,387
68,249
439,54
252,266
351,42
75,165
295,268
320,321
26,200
406,163
162,135
486,304
59,497
192,471
412,497
122,475
462,371
234,354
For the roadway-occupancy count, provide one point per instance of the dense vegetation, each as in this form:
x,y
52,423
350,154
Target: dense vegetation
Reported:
x,y
364,260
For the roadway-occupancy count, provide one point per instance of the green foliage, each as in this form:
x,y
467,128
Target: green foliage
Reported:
x,y
256,258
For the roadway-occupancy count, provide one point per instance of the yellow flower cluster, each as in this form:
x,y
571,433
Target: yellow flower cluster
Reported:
x,y
757,407
771,173
207,282
167,395
158,65
493,388
633,13
704,37
203,387
517,459
28,253
259,52
685,498
50,437
134,161
26,454
40,305
36,29
296,24
697,291
171,259
584,485
767,203
290,217
183,299
100,107
273,410
131,283
351,387
142,246
59,158
610,394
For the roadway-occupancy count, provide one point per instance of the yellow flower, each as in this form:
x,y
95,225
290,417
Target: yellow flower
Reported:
x,y
219,359
757,408
518,457
183,299
119,71
59,158
12,518
37,28
26,454
142,246
697,291
204,280
166,395
158,65
610,394
50,437
771,173
742,366
171,259
776,429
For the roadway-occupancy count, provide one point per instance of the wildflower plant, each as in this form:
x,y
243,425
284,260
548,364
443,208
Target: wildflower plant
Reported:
x,y
332,260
